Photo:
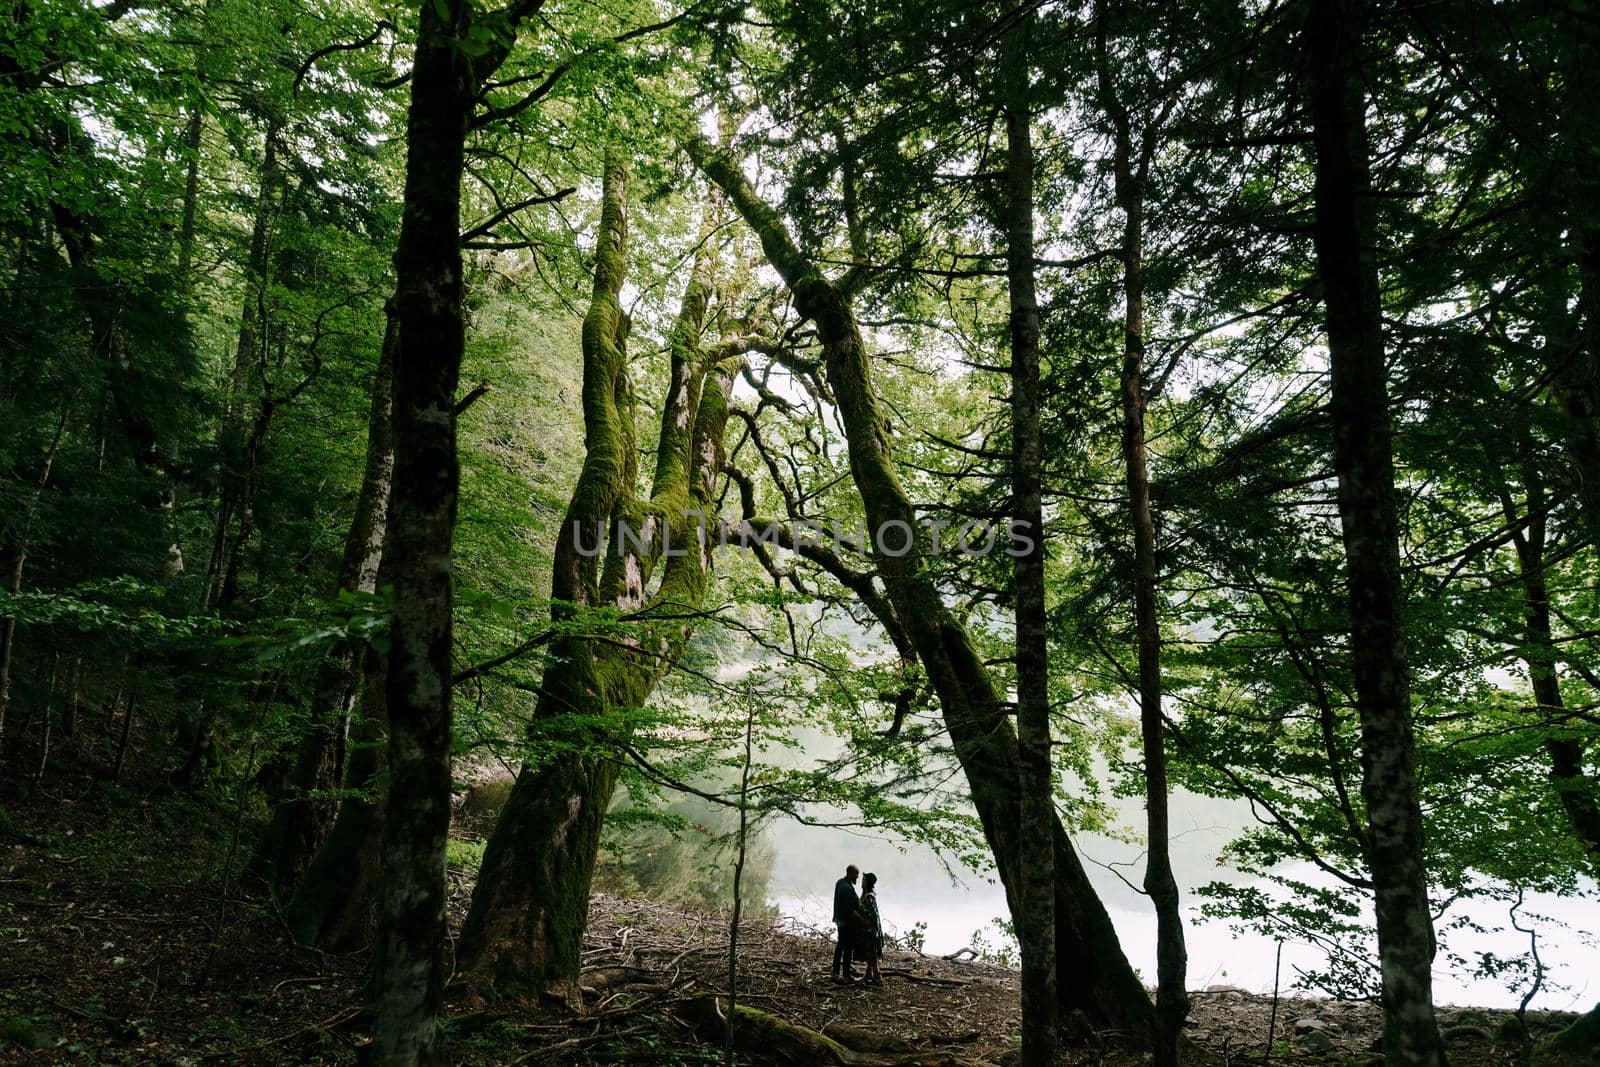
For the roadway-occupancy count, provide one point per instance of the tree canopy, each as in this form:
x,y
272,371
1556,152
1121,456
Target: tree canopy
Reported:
x,y
1049,403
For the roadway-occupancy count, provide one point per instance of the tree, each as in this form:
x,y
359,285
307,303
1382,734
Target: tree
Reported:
x,y
1132,157
429,339
1035,917
303,820
1346,238
528,910
1137,283
1092,974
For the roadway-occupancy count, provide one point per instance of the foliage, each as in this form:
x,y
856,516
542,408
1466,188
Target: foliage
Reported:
x,y
198,208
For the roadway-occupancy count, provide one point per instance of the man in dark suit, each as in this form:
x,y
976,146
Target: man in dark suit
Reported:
x,y
845,902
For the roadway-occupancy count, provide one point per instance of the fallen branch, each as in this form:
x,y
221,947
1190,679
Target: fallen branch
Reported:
x,y
573,1043
926,979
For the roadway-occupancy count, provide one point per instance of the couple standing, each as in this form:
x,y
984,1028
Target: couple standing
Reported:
x,y
860,928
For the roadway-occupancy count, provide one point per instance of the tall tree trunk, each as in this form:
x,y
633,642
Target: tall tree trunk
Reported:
x,y
103,299
69,711
304,817
1092,974
1572,359
1131,163
244,503
122,741
528,910
44,741
532,895
1346,237
738,882
332,905
1575,788
1576,385
192,131
1572,337
1035,921
16,556
191,190
408,965
1572,356
240,436
1172,956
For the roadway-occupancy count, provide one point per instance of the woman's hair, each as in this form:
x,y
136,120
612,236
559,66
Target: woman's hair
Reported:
x,y
868,880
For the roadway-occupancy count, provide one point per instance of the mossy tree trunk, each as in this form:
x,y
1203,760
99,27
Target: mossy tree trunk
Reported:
x,y
1092,973
530,904
1578,1043
531,898
1345,233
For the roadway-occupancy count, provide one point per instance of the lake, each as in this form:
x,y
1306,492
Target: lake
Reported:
x,y
914,886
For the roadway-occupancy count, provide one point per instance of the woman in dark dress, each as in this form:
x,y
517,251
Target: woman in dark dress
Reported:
x,y
869,929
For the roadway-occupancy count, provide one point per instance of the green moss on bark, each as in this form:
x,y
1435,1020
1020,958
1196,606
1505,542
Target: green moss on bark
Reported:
x,y
525,926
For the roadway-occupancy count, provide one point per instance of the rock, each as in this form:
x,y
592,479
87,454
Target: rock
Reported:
x,y
1313,1041
1465,1032
1511,1029
1311,1034
965,1037
29,1034
1226,989
1578,1043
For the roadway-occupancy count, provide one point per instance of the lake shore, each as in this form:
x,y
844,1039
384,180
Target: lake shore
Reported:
x,y
129,942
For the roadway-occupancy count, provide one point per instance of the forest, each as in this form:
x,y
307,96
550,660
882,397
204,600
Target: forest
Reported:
x,y
453,455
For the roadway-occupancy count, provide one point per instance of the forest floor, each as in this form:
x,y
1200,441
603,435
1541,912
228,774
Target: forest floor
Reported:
x,y
126,936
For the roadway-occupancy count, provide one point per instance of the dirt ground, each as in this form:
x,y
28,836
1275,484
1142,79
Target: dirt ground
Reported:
x,y
128,936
